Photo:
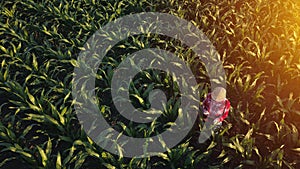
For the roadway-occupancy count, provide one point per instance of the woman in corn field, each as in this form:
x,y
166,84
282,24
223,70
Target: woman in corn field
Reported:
x,y
216,107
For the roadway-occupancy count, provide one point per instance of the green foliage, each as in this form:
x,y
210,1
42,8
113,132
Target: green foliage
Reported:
x,y
259,45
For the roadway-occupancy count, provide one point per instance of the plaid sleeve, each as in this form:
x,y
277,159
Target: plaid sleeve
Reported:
x,y
226,111
206,103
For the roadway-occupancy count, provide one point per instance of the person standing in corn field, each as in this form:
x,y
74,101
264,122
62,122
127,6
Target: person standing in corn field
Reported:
x,y
216,107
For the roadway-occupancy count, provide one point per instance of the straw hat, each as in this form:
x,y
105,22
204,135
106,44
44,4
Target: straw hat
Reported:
x,y
218,94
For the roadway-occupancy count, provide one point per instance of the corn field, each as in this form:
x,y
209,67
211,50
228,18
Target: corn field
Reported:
x,y
259,45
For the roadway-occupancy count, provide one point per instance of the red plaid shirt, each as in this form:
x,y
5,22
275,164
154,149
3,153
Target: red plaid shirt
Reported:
x,y
216,109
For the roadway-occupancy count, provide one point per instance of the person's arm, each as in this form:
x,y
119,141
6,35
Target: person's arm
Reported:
x,y
205,106
226,111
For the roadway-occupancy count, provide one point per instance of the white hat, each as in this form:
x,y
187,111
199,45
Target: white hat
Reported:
x,y
218,94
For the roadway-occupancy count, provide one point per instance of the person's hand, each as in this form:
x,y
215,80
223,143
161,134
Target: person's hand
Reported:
x,y
216,121
205,112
